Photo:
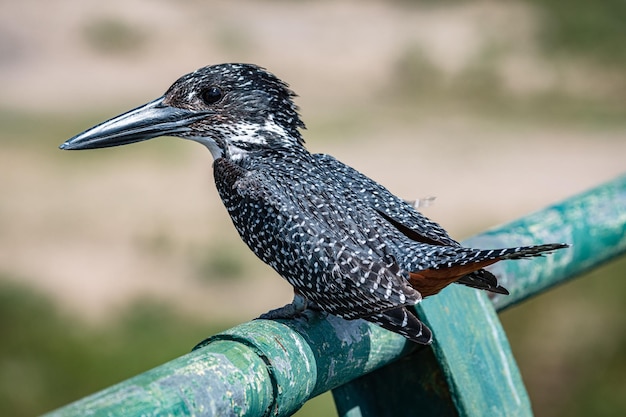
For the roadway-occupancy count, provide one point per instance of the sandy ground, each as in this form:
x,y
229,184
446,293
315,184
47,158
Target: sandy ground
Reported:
x,y
99,231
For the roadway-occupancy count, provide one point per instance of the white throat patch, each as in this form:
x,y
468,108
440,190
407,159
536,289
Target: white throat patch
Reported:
x,y
239,135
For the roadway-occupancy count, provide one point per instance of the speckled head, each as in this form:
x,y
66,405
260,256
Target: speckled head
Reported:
x,y
230,108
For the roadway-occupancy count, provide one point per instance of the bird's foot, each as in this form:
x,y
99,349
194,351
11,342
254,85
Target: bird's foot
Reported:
x,y
300,307
289,311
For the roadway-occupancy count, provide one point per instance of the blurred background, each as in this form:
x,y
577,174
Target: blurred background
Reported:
x,y
114,261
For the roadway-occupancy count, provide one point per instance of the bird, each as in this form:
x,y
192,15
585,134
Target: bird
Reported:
x,y
347,245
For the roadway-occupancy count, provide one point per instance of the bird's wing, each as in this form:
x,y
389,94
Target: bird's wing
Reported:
x,y
396,211
322,243
404,322
365,286
483,280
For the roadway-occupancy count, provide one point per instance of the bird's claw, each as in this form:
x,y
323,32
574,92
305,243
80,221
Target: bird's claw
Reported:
x,y
285,312
299,308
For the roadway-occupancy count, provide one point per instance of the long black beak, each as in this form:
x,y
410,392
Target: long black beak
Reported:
x,y
143,123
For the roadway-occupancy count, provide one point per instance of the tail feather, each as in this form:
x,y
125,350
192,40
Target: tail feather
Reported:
x,y
467,270
483,280
402,321
519,252
465,265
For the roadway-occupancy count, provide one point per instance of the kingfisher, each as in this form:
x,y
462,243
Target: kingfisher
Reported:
x,y
347,245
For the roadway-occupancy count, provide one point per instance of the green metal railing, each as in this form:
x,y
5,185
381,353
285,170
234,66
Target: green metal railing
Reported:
x,y
267,368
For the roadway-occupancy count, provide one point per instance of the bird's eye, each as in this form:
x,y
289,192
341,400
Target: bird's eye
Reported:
x,y
212,95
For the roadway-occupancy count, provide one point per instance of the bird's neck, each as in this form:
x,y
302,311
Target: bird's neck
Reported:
x,y
242,140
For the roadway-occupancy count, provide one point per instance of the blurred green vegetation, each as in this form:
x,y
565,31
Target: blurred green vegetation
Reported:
x,y
418,86
220,261
111,35
25,129
593,29
48,358
570,33
580,28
